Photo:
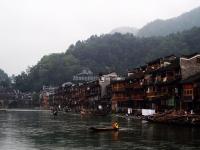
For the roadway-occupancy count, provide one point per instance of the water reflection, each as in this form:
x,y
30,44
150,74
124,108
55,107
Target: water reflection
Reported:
x,y
38,130
115,135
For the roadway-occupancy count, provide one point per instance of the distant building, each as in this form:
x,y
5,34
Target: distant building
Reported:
x,y
47,96
85,76
7,96
11,98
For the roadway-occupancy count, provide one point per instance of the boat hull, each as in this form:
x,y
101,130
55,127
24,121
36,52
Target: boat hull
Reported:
x,y
102,129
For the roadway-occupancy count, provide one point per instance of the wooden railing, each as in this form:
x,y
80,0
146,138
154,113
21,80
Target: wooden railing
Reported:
x,y
119,98
118,89
137,97
134,86
156,94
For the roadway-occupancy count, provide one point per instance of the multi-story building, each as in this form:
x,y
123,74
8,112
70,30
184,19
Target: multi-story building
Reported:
x,y
190,73
135,88
106,90
47,96
162,85
119,98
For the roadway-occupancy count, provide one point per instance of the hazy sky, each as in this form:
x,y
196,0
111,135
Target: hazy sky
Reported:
x,y
30,29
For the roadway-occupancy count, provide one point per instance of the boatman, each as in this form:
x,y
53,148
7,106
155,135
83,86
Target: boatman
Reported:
x,y
115,125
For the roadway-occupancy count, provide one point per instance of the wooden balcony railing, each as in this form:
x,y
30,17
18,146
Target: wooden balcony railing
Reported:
x,y
137,97
187,98
134,86
118,89
156,94
119,98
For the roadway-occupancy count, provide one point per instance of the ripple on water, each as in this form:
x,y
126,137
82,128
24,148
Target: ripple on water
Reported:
x,y
27,130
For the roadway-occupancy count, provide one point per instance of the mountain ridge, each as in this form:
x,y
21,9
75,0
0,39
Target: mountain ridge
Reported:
x,y
125,30
180,23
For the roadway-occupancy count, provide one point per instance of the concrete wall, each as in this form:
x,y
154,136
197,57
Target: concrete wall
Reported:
x,y
105,81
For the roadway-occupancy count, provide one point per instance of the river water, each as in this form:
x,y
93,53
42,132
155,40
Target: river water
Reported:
x,y
38,130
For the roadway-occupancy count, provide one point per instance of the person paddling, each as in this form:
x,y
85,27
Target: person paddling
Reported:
x,y
115,125
55,112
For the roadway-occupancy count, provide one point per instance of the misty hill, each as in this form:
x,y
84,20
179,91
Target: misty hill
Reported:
x,y
125,30
106,53
164,27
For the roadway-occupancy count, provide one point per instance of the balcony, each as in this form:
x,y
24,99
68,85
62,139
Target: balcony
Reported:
x,y
134,86
188,98
138,97
119,98
156,94
118,89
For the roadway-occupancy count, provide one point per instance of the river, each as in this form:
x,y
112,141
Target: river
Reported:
x,y
38,130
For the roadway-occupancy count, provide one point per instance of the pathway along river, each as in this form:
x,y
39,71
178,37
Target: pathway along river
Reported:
x,y
34,130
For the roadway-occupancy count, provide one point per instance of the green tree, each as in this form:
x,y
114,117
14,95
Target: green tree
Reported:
x,y
105,53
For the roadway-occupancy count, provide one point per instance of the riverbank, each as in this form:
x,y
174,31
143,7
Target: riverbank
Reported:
x,y
173,117
20,109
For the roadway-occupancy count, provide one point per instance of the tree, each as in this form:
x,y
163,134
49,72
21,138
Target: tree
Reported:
x,y
105,53
4,79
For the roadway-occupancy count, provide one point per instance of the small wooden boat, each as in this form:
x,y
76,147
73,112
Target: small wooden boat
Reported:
x,y
95,129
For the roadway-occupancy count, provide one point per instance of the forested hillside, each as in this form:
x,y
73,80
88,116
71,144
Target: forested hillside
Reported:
x,y
4,79
105,53
183,22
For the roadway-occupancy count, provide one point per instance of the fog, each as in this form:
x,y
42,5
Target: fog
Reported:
x,y
30,29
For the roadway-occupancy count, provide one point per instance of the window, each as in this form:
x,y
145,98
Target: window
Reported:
x,y
148,90
188,92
